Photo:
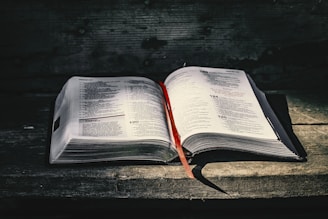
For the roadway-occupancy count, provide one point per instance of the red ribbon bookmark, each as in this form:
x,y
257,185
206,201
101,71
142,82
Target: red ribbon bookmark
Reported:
x,y
176,135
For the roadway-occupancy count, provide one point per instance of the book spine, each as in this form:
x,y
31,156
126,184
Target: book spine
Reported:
x,y
175,132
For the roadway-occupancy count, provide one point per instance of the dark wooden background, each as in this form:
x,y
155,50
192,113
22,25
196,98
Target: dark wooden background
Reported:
x,y
283,44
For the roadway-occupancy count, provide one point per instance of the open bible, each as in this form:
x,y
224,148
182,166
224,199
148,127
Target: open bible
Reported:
x,y
127,119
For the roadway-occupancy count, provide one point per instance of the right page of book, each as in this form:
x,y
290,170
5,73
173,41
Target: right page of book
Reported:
x,y
215,100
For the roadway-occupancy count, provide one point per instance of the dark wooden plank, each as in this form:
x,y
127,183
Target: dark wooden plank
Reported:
x,y
306,106
124,208
308,109
283,44
25,172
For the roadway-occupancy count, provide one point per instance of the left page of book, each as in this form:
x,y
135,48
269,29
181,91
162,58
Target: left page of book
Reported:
x,y
98,110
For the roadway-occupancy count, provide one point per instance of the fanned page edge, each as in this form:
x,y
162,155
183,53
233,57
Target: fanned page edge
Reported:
x,y
60,137
269,115
58,143
288,138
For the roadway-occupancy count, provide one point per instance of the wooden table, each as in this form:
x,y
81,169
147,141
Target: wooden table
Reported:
x,y
30,184
282,44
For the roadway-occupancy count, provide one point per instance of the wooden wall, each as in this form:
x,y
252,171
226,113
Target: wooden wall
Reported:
x,y
283,44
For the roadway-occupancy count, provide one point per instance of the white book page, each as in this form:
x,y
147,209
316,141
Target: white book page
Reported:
x,y
213,100
63,120
118,108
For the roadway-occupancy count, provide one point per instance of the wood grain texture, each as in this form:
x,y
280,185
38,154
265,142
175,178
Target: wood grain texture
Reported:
x,y
282,44
25,172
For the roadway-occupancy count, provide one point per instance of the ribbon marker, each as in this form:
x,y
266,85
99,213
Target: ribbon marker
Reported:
x,y
176,135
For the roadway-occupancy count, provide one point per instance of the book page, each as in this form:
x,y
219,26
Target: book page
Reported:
x,y
213,100
119,108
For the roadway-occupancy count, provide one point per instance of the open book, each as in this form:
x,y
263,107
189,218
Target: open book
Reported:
x,y
127,118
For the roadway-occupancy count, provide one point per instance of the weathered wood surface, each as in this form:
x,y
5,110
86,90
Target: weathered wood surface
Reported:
x,y
283,44
25,172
